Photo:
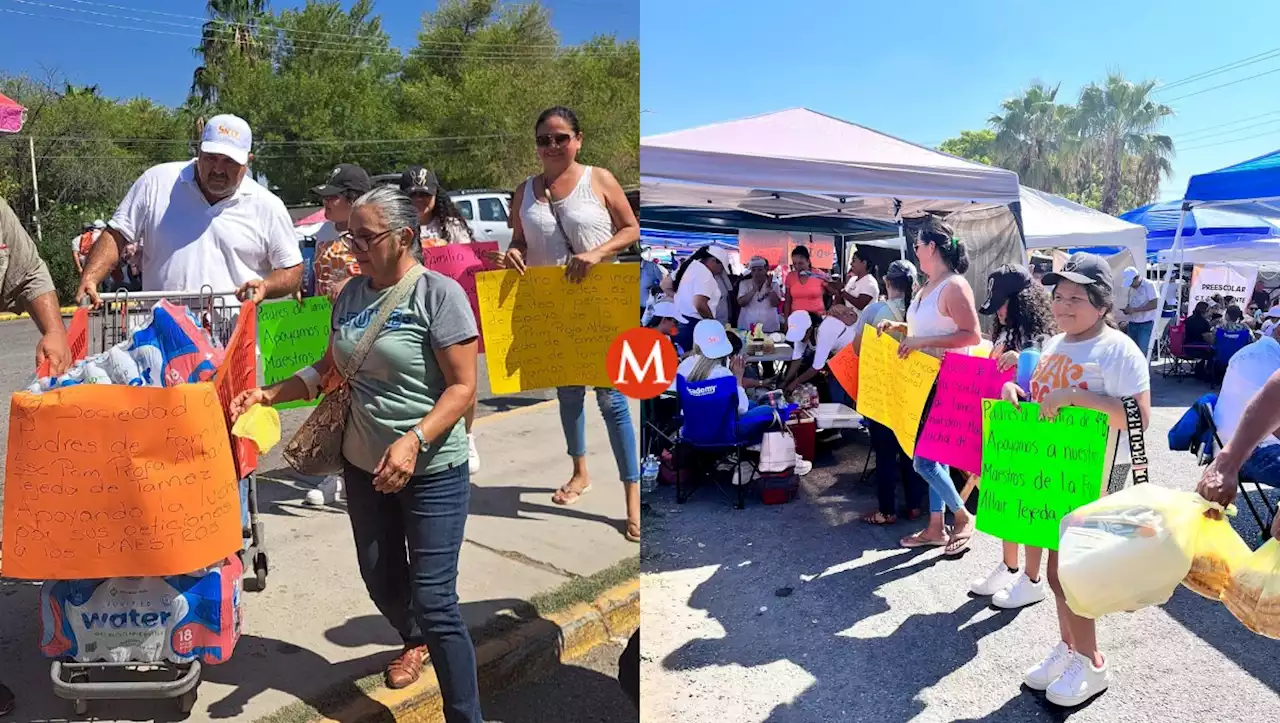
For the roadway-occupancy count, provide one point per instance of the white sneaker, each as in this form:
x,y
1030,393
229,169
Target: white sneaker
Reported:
x,y
1020,594
1049,669
329,490
999,579
1079,683
473,455
803,466
314,498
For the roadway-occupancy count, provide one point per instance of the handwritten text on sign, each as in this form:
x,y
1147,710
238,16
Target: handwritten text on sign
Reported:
x,y
952,433
292,336
461,262
893,391
1035,471
544,331
118,482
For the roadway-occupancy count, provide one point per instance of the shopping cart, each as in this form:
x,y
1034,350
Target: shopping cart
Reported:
x,y
121,314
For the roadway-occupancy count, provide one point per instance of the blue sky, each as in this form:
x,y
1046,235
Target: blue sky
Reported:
x,y
925,70
129,62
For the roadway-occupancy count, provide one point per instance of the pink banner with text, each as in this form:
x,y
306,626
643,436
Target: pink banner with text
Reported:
x,y
461,262
952,432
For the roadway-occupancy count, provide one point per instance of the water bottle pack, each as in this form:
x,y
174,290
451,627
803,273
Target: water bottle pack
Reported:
x,y
144,619
173,348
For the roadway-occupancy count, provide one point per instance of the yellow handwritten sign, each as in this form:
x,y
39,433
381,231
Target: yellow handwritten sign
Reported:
x,y
542,331
111,481
893,391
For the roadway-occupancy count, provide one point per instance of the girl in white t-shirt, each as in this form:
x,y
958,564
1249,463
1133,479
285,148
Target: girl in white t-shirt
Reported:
x,y
1094,366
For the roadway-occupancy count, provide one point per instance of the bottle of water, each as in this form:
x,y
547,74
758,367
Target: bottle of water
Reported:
x,y
649,474
1027,361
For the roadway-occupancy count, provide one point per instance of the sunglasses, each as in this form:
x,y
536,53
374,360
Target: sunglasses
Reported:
x,y
552,139
364,243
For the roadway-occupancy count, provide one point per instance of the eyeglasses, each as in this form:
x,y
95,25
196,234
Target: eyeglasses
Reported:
x,y
552,139
364,243
1070,301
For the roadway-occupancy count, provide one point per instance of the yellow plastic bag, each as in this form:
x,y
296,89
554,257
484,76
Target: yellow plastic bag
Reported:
x,y
1253,595
259,424
1129,550
1219,553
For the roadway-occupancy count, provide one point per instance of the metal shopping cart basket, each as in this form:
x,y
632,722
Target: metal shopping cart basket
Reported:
x,y
120,315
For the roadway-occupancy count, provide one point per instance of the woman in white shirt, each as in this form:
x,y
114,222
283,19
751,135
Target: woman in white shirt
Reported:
x,y
861,289
759,298
697,290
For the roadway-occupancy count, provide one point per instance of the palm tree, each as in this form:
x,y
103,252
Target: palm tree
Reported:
x,y
1029,136
1118,119
233,27
1151,154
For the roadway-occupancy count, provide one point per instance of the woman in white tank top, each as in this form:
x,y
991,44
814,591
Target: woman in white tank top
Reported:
x,y
578,216
942,317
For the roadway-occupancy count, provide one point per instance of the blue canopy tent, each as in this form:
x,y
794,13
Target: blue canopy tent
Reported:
x,y
1202,226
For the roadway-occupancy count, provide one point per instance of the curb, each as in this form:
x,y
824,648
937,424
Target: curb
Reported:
x,y
10,316
529,651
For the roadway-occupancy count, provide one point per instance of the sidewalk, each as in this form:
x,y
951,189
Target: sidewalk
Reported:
x,y
314,628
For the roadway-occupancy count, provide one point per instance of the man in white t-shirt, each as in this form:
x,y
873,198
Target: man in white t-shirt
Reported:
x,y
1247,372
204,222
1143,308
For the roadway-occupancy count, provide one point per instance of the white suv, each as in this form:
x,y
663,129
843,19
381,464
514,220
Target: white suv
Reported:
x,y
486,211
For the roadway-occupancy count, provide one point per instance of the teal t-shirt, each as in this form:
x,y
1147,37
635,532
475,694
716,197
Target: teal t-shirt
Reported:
x,y
400,380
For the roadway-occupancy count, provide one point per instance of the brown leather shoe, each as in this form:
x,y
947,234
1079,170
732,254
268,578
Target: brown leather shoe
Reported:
x,y
404,670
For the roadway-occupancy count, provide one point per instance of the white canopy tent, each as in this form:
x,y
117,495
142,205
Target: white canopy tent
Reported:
x,y
1050,221
799,162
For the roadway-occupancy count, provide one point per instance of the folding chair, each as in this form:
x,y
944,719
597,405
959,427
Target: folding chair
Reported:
x,y
1206,445
1183,364
710,430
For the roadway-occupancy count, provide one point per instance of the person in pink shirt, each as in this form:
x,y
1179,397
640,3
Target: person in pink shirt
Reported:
x,y
804,286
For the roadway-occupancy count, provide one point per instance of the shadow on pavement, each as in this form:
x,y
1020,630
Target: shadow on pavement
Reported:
x,y
570,693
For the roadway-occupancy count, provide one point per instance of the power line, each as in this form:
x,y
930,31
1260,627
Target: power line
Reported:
x,y
1265,55
488,51
1198,131
1233,140
1223,85
1219,134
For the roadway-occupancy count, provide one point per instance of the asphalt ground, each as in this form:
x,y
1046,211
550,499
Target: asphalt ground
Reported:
x,y
800,612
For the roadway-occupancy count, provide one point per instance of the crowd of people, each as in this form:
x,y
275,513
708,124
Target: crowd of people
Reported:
x,y
408,448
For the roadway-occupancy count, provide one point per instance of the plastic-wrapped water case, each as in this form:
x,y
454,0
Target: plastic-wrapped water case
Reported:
x,y
144,619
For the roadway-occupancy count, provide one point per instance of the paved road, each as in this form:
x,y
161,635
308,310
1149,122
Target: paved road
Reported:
x,y
585,691
18,340
800,613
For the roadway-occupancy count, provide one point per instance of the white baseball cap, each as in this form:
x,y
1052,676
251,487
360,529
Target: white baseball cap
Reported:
x,y
720,254
798,325
668,310
833,335
1130,273
710,336
1272,313
227,135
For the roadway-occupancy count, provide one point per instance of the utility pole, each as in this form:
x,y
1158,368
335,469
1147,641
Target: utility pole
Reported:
x,y
35,186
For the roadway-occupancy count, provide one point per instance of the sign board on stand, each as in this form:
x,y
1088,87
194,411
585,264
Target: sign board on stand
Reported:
x,y
1224,280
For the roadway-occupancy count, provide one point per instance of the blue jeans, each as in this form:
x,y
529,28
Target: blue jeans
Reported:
x,y
407,544
1263,465
1141,333
942,491
617,418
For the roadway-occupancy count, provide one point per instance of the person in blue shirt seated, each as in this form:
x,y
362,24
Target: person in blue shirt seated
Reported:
x,y
717,353
1247,372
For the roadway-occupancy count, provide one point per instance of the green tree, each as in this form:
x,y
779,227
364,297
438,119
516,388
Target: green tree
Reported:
x,y
973,145
1029,133
232,31
1119,119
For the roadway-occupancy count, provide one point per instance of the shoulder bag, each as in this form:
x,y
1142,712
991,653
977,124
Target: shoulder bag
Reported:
x,y
316,449
632,252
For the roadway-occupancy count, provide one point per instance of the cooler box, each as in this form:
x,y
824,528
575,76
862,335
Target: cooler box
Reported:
x,y
836,416
777,488
805,430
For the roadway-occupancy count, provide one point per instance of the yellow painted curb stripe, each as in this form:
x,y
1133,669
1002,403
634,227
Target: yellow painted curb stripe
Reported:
x,y
420,702
10,316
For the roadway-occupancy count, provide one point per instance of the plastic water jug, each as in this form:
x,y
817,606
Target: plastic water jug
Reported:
x,y
649,474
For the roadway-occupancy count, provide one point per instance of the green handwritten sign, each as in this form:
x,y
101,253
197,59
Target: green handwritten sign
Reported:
x,y
1036,471
292,336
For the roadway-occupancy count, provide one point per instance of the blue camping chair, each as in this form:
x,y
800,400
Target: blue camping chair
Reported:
x,y
711,430
1197,433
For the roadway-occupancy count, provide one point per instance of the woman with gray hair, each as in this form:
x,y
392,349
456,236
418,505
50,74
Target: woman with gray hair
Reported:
x,y
405,446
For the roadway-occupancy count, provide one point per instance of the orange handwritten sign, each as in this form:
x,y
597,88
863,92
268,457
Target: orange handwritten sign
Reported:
x,y
844,365
88,495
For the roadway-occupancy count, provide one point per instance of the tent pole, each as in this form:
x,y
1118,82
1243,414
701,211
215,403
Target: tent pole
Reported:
x,y
35,186
1168,277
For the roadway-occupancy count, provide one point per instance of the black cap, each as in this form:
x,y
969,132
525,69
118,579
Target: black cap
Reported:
x,y
346,177
1081,268
1003,284
419,180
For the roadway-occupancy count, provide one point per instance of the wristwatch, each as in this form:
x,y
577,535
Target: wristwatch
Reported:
x,y
422,439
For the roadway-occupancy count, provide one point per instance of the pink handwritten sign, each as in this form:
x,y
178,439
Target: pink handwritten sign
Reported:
x,y
952,433
461,262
